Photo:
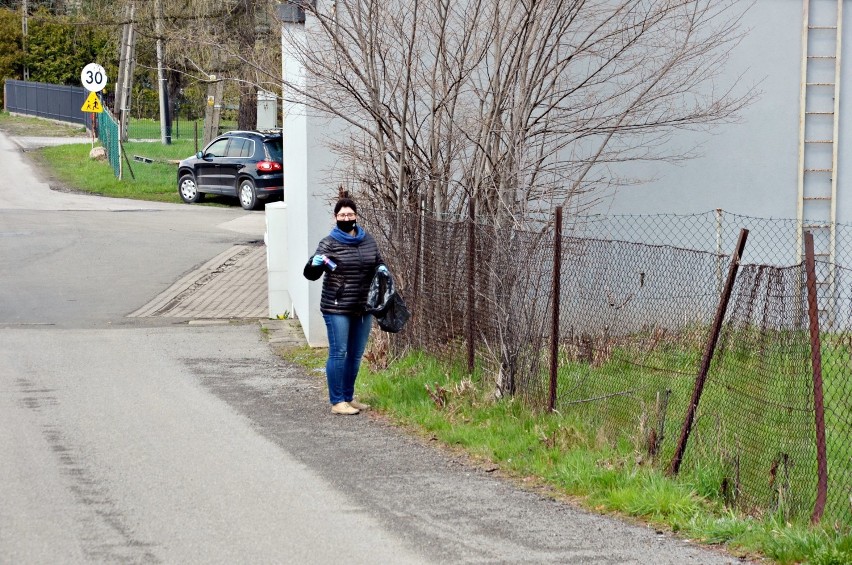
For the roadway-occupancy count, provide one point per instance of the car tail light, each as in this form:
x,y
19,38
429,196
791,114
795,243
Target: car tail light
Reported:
x,y
268,166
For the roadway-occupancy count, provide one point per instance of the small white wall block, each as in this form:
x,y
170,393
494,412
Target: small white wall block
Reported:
x,y
277,255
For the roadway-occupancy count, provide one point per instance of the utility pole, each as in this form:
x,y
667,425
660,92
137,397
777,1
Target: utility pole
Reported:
x,y
212,112
165,133
213,109
25,31
126,66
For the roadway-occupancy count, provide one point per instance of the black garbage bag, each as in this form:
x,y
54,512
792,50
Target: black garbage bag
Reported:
x,y
386,304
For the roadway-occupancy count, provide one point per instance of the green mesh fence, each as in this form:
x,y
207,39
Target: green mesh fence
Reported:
x,y
108,134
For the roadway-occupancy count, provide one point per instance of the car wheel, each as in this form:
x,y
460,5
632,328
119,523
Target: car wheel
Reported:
x,y
188,190
247,194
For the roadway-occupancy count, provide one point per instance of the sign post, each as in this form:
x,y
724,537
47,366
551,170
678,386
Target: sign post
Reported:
x,y
94,79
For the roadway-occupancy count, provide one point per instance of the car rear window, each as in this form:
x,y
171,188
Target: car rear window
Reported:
x,y
273,149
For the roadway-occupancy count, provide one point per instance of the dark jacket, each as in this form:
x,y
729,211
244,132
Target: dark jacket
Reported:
x,y
344,289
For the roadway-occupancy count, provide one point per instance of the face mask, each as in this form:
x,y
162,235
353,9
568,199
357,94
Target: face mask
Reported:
x,y
346,225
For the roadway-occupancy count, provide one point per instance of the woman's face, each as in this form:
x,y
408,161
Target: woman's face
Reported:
x,y
345,213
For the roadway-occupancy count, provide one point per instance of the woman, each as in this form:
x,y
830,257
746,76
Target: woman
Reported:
x,y
349,258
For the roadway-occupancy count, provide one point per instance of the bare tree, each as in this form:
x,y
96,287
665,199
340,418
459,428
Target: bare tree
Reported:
x,y
243,25
519,105
236,41
516,106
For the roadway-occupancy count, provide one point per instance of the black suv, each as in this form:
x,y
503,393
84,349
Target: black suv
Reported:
x,y
245,164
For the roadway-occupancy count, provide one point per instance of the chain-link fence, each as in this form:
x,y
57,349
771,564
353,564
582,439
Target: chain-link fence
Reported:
x,y
109,136
771,241
626,335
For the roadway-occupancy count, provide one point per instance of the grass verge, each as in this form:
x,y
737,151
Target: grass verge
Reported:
x,y
71,168
37,127
569,459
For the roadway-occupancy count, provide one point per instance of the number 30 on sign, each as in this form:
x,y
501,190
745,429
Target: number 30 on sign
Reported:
x,y
93,77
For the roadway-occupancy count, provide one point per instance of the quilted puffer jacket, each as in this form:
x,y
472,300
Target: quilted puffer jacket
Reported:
x,y
344,289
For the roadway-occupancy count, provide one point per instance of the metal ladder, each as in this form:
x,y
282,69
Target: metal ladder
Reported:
x,y
822,23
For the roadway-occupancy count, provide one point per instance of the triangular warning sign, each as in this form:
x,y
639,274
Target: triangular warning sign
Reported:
x,y
92,104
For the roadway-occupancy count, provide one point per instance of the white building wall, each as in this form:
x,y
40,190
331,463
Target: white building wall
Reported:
x,y
750,167
307,188
844,177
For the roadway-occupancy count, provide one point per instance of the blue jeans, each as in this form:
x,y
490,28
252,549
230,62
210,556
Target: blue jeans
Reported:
x,y
347,338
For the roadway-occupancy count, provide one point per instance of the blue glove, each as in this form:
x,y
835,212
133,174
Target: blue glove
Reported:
x,y
317,260
382,269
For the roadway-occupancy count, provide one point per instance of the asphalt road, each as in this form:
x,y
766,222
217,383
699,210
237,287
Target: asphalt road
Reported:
x,y
149,440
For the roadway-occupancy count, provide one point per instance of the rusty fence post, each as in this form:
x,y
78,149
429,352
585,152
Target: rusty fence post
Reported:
x,y
557,288
418,258
709,349
471,281
816,366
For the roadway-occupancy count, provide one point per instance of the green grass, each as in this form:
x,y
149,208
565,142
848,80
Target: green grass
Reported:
x,y
177,150
571,456
71,166
308,357
753,437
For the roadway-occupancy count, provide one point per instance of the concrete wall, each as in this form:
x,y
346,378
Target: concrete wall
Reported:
x,y
751,167
308,187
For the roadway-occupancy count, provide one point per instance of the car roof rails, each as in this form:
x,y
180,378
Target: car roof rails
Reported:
x,y
262,132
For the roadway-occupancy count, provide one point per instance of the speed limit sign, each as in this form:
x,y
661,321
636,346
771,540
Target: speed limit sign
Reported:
x,y
93,77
